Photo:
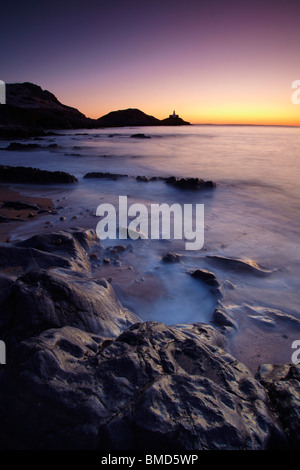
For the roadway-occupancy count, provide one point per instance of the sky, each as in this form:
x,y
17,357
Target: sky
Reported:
x,y
213,61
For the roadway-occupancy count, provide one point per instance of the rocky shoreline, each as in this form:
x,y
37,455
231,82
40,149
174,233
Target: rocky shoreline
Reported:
x,y
83,372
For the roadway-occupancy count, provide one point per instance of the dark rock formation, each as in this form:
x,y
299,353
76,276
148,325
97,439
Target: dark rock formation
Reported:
x,y
190,183
82,372
127,117
222,319
174,121
209,279
19,146
171,258
238,265
140,136
21,174
143,179
153,387
98,174
20,205
282,382
31,110
5,219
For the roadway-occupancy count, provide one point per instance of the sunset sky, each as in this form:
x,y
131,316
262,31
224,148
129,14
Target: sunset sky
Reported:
x,y
211,61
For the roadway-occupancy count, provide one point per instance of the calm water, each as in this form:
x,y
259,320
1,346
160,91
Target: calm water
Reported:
x,y
253,214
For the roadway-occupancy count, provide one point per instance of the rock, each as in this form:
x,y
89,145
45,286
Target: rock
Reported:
x,y
143,179
228,285
140,136
20,174
190,183
120,248
209,279
152,388
127,117
20,146
31,110
239,265
282,382
66,248
97,174
20,205
171,258
221,318
43,299
4,219
31,215
270,316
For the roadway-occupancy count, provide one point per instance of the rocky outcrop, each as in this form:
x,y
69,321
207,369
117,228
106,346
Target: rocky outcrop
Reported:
x,y
152,387
282,382
31,110
127,117
238,265
190,183
99,174
21,174
209,279
174,121
135,117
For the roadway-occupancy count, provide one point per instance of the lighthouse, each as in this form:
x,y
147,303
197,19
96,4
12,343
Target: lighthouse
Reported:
x,y
174,115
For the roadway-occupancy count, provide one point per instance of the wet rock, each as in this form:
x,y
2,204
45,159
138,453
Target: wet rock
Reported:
x,y
20,146
171,258
209,279
112,176
153,387
239,265
66,248
140,136
143,179
282,382
190,183
43,299
221,318
20,174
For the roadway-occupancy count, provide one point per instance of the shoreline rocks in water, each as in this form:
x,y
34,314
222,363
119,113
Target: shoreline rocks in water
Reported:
x,y
105,380
99,174
190,183
21,174
180,183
